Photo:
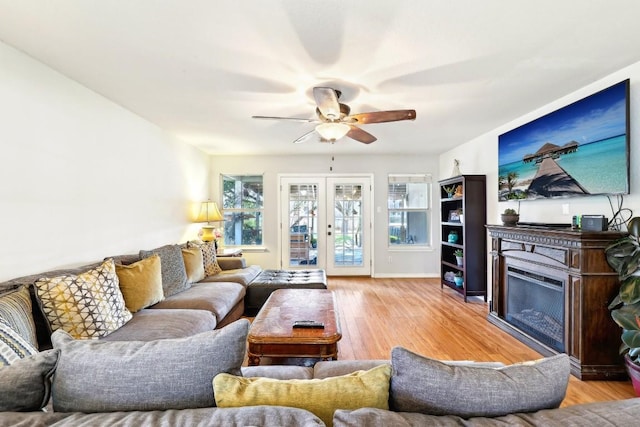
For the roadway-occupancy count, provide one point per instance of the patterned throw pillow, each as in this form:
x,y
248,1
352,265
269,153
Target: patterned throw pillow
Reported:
x,y
87,305
141,283
15,309
13,346
211,266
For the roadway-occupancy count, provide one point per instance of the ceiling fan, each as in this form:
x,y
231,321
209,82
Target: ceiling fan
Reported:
x,y
336,122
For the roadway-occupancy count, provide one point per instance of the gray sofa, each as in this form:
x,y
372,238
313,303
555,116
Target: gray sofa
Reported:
x,y
171,364
213,302
101,407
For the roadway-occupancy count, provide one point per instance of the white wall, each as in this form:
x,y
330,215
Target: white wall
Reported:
x,y
404,263
480,156
82,178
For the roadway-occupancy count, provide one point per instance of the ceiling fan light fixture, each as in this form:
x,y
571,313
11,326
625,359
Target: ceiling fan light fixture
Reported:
x,y
332,131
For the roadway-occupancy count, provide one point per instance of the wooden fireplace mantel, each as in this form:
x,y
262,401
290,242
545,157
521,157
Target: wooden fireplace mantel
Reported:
x,y
591,338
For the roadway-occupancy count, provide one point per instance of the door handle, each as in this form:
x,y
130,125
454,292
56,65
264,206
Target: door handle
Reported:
x,y
329,233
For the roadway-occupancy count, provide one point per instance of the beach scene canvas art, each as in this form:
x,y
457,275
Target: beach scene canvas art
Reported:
x,y
581,149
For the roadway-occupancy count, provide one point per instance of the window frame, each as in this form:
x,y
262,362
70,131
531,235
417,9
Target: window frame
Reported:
x,y
230,212
399,179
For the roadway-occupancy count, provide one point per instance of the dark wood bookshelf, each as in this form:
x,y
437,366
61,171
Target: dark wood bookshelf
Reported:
x,y
471,201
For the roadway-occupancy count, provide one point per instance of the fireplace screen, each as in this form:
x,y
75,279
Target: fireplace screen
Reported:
x,y
535,305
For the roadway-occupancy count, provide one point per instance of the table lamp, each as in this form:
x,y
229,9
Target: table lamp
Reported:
x,y
209,213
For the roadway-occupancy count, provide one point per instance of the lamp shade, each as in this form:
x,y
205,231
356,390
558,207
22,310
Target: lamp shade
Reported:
x,y
209,212
332,131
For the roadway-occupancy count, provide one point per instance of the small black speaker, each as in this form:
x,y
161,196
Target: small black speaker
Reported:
x,y
594,223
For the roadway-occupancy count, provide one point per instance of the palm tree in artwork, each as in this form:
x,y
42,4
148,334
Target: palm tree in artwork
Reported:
x,y
508,181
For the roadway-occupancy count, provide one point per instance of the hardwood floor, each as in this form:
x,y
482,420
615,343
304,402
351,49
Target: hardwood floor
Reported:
x,y
379,314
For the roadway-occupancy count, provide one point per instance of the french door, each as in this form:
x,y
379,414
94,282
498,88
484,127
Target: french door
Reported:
x,y
326,223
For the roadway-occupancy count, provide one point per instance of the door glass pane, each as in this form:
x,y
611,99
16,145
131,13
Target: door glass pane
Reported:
x,y
348,225
303,227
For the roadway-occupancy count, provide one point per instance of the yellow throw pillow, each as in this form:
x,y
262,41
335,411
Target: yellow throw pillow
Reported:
x,y
86,305
141,283
361,389
194,263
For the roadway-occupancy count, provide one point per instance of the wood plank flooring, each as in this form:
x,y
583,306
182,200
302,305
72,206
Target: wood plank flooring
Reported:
x,y
379,314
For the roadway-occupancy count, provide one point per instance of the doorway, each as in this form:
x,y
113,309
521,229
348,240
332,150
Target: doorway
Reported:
x,y
326,223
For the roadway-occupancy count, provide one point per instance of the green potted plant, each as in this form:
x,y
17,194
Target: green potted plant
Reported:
x,y
459,254
623,256
510,217
450,190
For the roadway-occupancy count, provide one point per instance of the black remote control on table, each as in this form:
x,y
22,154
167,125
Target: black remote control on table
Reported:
x,y
310,324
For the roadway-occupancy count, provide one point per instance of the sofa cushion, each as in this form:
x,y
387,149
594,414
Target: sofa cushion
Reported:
x,y
25,385
106,376
421,384
12,345
86,305
150,325
613,413
336,368
322,397
244,276
211,267
200,417
174,272
278,372
16,309
141,283
194,264
218,298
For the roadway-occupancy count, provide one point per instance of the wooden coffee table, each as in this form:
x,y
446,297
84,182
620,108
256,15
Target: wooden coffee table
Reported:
x,y
272,333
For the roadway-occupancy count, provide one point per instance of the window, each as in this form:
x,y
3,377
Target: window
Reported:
x,y
409,209
242,202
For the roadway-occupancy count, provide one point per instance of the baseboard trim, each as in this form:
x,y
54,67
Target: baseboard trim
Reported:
x,y
405,276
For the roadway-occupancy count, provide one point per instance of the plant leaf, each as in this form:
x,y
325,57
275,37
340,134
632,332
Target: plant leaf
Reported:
x,y
631,339
626,315
615,303
630,264
633,226
630,290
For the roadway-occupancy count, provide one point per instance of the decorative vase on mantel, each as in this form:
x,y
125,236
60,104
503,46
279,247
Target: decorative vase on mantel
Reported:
x,y
510,219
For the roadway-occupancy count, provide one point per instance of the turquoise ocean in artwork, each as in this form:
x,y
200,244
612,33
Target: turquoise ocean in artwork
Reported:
x,y
600,167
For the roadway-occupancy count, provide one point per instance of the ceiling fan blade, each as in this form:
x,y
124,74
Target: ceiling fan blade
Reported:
x,y
327,101
305,137
296,119
382,116
360,135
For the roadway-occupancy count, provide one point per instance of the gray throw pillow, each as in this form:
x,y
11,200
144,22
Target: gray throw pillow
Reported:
x,y
25,385
173,269
420,384
108,376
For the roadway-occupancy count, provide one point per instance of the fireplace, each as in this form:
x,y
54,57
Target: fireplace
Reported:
x,y
550,289
535,305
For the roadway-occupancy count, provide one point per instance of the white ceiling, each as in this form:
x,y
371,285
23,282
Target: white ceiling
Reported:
x,y
201,68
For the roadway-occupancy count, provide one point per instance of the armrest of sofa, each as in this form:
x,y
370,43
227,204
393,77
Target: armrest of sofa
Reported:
x,y
231,263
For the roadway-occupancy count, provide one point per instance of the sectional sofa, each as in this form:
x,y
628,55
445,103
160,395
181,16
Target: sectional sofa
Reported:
x,y
171,351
